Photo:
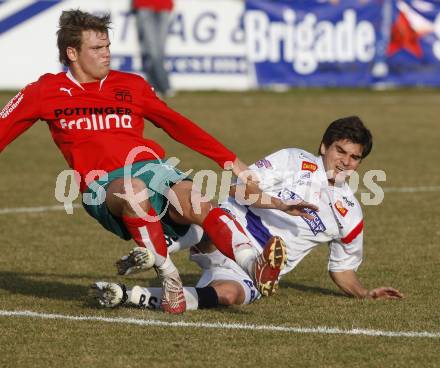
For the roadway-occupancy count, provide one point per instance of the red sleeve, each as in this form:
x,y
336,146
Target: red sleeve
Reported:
x,y
353,233
183,130
19,114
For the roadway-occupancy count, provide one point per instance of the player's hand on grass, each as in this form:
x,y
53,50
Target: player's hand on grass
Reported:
x,y
385,293
138,260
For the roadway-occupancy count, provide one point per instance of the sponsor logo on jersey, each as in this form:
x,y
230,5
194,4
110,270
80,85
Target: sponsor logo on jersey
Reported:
x,y
263,163
306,175
309,166
123,95
303,183
94,118
340,208
348,202
12,105
316,225
71,111
67,90
287,194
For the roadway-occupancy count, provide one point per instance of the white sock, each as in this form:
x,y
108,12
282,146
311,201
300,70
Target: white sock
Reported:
x,y
245,255
150,297
167,267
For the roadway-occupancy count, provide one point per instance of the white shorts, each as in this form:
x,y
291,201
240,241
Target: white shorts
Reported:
x,y
217,267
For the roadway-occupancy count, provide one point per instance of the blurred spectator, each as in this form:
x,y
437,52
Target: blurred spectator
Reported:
x,y
380,66
152,18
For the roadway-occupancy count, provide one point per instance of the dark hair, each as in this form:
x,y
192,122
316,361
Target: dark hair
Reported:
x,y
351,128
71,25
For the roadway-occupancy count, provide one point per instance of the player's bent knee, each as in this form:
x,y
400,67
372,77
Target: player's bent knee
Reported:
x,y
228,298
229,292
231,297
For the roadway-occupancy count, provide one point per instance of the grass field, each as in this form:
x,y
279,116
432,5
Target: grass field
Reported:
x,y
48,259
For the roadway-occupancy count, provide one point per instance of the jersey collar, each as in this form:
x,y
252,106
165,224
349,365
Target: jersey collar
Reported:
x,y
321,170
73,79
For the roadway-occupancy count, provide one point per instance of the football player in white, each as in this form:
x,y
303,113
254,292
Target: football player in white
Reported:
x,y
289,174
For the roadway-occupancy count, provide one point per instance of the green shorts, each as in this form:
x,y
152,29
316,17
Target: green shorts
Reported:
x,y
156,175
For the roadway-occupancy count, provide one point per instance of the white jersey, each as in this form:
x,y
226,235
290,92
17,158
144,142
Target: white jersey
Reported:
x,y
296,174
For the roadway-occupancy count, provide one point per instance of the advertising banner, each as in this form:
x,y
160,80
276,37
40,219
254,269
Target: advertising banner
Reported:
x,y
410,55
350,43
236,45
205,47
311,43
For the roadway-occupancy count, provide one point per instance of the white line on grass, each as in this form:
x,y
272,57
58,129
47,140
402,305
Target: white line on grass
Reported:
x,y
224,326
411,189
5,211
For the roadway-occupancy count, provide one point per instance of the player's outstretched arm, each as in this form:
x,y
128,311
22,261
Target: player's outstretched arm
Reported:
x,y
19,114
250,192
349,283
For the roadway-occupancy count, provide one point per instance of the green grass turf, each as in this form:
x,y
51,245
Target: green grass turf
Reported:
x,y
49,259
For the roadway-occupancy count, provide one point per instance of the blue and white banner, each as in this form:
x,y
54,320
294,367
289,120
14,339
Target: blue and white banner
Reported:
x,y
348,43
242,44
308,43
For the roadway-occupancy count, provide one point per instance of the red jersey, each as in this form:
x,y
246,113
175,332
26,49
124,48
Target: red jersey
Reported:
x,y
156,5
97,124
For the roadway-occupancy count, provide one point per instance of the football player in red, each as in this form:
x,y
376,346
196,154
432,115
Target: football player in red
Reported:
x,y
96,118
